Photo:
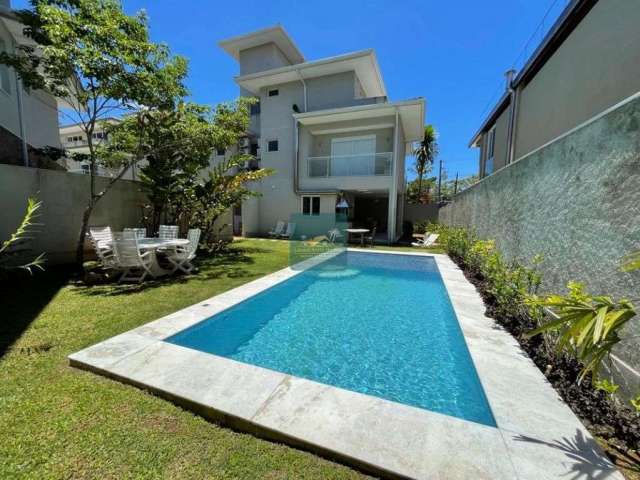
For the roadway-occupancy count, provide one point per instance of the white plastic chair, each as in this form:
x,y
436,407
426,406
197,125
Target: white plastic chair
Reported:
x,y
334,234
279,230
427,242
101,239
180,257
168,232
139,232
135,264
291,228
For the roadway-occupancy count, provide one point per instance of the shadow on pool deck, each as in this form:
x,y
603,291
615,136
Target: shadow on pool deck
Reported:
x,y
585,460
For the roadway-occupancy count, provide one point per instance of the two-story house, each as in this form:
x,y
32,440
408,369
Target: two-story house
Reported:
x,y
28,119
588,62
328,130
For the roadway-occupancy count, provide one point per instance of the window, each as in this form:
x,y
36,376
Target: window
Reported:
x,y
272,146
220,151
491,140
4,70
311,205
274,93
69,139
255,109
98,135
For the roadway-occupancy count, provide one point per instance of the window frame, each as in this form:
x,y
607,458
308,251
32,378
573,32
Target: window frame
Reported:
x,y
311,204
270,143
491,149
5,72
273,92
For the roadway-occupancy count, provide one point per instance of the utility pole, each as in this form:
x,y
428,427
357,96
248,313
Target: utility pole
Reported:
x,y
455,185
440,183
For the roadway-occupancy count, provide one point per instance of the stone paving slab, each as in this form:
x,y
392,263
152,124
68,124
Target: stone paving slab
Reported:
x,y
537,435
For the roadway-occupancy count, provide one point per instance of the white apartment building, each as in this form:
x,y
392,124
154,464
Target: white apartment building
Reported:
x,y
328,130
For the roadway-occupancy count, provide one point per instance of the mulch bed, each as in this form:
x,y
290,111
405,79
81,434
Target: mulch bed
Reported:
x,y
616,426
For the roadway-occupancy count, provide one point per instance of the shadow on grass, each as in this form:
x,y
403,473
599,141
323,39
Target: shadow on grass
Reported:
x,y
229,263
23,297
585,459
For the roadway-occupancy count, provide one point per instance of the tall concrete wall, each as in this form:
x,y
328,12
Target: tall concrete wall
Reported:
x,y
64,196
576,201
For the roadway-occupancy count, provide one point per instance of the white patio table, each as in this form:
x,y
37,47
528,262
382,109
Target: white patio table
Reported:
x,y
153,245
361,231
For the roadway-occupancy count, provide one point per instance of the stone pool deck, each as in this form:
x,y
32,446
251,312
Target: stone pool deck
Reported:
x,y
537,436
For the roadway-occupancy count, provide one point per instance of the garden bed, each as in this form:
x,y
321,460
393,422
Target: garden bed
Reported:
x,y
616,426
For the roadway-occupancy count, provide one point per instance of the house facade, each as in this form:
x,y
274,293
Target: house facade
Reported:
x,y
328,130
587,63
28,119
74,140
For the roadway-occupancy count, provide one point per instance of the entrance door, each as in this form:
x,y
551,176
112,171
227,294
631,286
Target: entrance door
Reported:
x,y
353,156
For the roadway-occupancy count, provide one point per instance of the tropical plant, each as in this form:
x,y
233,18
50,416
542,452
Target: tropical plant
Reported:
x,y
177,145
12,250
588,327
101,62
425,153
631,262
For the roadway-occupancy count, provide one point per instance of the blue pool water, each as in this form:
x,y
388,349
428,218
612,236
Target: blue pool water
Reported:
x,y
377,324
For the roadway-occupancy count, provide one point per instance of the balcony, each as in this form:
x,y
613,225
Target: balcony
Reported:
x,y
358,165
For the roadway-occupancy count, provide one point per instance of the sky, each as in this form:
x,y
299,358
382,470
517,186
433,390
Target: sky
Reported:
x,y
452,53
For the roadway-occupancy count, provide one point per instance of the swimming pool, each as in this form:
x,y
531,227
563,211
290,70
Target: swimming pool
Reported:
x,y
377,324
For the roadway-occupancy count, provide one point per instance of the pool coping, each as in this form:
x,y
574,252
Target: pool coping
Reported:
x,y
537,434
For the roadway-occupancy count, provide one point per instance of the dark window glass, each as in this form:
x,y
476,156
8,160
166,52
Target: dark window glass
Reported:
x,y
306,205
273,146
254,149
255,109
315,205
274,92
220,151
311,205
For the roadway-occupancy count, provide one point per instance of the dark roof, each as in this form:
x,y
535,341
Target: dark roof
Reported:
x,y
566,23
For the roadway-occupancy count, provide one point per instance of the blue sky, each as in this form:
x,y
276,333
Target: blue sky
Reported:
x,y
453,53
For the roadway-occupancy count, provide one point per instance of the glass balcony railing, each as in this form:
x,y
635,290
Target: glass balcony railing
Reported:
x,y
359,165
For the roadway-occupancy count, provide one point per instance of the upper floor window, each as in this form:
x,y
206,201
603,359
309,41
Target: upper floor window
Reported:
x,y
491,143
4,70
272,146
255,108
75,138
99,136
310,205
273,93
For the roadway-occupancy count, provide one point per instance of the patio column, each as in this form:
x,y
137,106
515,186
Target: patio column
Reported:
x,y
393,188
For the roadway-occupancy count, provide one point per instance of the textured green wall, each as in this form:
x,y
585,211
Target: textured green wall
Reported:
x,y
576,202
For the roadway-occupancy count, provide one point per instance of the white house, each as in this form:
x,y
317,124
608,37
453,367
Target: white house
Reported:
x,y
327,129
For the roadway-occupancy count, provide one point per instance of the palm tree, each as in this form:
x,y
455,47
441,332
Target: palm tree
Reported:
x,y
425,153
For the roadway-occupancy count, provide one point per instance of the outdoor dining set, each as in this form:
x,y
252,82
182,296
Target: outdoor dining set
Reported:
x,y
137,256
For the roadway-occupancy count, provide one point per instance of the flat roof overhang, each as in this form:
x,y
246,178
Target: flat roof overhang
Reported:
x,y
364,63
412,113
275,34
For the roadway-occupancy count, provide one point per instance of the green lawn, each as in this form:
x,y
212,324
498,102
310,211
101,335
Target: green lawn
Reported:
x,y
60,422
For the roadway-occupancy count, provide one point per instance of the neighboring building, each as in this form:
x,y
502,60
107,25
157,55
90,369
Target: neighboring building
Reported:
x,y
74,140
28,120
588,62
329,132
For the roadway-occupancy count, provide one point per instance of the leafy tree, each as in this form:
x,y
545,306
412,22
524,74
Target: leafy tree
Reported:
x,y
176,146
425,154
421,191
100,61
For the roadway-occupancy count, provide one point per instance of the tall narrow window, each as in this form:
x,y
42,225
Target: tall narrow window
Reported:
x,y
491,141
4,70
255,108
310,205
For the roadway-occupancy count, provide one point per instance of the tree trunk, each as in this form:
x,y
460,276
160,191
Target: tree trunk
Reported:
x,y
86,216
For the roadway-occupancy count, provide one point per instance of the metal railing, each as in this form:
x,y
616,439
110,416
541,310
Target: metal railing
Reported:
x,y
359,165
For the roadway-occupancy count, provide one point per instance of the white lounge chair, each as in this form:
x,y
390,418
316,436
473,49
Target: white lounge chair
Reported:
x,y
168,232
102,239
334,234
291,228
139,232
279,230
180,257
135,265
427,242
